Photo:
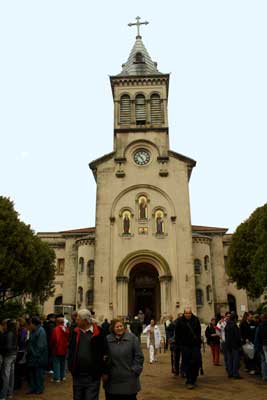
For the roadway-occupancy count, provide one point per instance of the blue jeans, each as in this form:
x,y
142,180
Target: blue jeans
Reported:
x,y
59,367
8,374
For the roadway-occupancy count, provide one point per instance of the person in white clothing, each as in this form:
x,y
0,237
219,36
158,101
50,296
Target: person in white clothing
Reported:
x,y
153,338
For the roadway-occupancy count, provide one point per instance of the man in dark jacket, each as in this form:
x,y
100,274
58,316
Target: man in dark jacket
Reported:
x,y
188,337
87,357
233,346
136,327
37,356
261,345
247,331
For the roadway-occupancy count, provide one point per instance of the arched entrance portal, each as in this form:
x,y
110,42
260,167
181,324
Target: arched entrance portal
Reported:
x,y
144,291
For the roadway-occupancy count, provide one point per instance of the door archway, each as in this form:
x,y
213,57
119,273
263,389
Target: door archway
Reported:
x,y
144,291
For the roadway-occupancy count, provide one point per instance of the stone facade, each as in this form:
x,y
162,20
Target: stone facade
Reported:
x,y
143,252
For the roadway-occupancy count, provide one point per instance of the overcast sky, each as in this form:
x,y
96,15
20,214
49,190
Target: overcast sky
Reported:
x,y
56,109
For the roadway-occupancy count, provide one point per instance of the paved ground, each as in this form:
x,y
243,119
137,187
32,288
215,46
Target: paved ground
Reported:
x,y
158,384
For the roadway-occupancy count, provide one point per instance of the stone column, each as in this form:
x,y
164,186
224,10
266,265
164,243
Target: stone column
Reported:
x,y
122,295
165,294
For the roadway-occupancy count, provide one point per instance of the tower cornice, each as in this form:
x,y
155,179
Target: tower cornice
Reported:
x,y
137,80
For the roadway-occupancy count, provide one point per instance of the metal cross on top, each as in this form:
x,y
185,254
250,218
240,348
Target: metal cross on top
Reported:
x,y
138,24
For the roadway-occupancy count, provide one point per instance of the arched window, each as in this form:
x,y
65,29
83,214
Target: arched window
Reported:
x,y
209,294
231,302
90,297
80,294
199,297
139,58
126,222
159,220
81,264
206,263
155,109
142,206
197,266
58,301
140,109
125,110
91,268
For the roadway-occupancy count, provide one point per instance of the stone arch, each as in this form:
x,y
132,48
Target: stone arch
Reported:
x,y
143,256
138,143
146,187
162,279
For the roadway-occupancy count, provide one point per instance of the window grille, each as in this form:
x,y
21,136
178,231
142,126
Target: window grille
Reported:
x,y
125,110
197,266
90,297
156,112
80,295
199,297
90,268
140,109
81,264
206,262
209,294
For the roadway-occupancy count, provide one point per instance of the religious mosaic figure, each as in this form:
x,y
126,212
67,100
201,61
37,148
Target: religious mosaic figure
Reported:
x,y
159,223
126,223
142,207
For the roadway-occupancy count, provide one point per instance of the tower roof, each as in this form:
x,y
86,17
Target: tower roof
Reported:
x,y
139,61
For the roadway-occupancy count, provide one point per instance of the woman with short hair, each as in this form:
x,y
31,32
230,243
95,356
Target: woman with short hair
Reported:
x,y
126,363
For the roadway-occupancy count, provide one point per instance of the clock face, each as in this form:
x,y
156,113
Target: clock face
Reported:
x,y
141,157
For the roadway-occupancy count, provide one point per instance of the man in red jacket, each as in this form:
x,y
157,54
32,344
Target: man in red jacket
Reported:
x,y
59,348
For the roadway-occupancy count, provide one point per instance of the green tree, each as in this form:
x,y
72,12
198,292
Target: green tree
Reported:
x,y
26,263
247,257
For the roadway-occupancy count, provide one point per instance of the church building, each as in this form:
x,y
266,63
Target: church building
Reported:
x,y
143,253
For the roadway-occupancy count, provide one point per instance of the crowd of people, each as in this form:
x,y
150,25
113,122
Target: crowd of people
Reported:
x,y
112,352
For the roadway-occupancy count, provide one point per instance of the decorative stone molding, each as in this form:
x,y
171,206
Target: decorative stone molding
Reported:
x,y
85,242
173,218
203,240
165,278
124,279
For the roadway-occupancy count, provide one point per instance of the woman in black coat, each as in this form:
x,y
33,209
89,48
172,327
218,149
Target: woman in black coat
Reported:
x,y
213,340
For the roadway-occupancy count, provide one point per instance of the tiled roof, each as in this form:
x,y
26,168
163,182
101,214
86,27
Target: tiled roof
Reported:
x,y
146,67
80,230
199,228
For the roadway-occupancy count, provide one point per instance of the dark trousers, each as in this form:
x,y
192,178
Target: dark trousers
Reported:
x,y
177,357
191,363
233,362
224,351
36,379
85,388
110,396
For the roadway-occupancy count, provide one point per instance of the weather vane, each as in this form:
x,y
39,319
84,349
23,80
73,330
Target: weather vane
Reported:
x,y
138,24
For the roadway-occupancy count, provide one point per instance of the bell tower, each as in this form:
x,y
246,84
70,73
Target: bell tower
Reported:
x,y
140,94
143,237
